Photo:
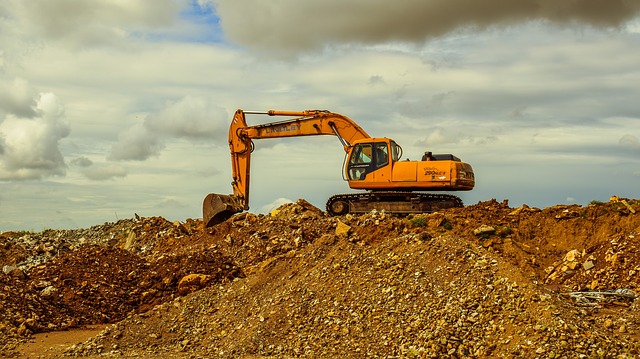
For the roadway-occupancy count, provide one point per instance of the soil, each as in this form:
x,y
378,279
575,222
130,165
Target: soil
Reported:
x,y
54,344
486,280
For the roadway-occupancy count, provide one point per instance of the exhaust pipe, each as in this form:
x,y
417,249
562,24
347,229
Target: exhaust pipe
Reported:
x,y
217,208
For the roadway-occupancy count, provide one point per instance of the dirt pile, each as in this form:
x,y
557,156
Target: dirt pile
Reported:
x,y
486,280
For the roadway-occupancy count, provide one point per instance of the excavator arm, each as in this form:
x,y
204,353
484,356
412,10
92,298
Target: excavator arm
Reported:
x,y
217,208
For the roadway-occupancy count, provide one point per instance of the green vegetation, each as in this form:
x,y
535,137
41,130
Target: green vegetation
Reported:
x,y
447,225
418,221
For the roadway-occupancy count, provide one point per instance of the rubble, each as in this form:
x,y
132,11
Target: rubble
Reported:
x,y
481,281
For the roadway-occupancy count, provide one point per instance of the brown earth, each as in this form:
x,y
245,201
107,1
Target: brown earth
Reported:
x,y
481,281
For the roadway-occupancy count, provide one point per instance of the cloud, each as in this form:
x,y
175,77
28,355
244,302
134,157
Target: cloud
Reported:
x,y
437,136
630,141
17,98
291,26
170,202
81,162
137,144
98,172
83,23
192,117
30,145
104,172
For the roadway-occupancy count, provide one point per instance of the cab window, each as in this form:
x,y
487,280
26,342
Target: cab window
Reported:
x,y
396,151
382,154
361,154
360,161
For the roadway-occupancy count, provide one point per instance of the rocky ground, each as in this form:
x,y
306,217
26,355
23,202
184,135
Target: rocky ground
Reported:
x,y
486,280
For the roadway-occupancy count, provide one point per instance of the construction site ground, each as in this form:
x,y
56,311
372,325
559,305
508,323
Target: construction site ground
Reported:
x,y
486,280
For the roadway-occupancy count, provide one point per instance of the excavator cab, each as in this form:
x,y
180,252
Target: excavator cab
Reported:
x,y
374,164
367,157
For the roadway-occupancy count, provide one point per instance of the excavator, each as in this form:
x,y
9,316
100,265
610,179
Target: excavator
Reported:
x,y
371,164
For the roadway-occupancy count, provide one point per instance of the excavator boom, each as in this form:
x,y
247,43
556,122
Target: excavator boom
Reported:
x,y
217,207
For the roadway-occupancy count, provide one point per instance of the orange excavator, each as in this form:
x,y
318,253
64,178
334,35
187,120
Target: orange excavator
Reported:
x,y
372,164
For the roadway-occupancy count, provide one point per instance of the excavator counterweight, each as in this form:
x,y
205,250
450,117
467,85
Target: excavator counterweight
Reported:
x,y
371,164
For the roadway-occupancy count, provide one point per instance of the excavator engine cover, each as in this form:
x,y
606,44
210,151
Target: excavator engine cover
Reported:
x,y
217,208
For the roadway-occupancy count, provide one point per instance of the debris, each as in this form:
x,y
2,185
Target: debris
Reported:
x,y
8,269
633,211
598,299
288,285
484,229
192,282
342,228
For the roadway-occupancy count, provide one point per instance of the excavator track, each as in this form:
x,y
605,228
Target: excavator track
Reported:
x,y
391,202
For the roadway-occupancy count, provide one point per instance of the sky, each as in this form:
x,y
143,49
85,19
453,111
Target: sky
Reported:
x,y
111,108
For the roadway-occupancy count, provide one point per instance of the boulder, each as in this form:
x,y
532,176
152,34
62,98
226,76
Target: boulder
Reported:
x,y
193,282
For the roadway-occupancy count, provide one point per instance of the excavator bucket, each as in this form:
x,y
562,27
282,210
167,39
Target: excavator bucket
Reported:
x,y
217,208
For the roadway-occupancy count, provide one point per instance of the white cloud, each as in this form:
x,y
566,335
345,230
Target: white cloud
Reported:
x,y
191,117
137,144
30,145
437,136
17,98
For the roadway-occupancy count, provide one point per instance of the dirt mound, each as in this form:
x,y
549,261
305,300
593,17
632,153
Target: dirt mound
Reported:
x,y
486,280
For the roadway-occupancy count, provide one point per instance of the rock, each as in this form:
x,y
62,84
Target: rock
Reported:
x,y
567,214
193,282
17,273
633,211
484,229
342,228
48,291
22,330
8,269
308,206
435,220
571,255
518,210
129,242
588,265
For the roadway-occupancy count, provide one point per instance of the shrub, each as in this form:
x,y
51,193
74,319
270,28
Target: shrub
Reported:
x,y
418,221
